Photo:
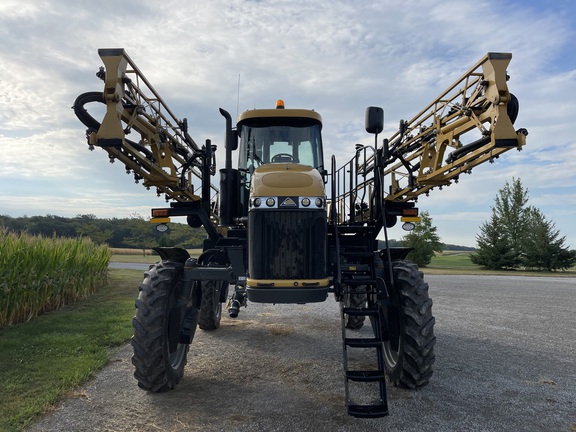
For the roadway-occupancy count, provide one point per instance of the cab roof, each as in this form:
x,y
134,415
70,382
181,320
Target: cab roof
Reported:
x,y
279,113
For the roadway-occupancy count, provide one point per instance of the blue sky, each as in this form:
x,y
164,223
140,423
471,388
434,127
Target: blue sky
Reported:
x,y
334,56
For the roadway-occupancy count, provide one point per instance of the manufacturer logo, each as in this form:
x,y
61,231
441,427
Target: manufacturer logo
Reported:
x,y
288,202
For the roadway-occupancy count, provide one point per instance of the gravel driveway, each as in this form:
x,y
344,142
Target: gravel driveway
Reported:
x,y
505,361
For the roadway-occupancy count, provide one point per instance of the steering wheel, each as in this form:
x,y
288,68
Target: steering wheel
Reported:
x,y
282,157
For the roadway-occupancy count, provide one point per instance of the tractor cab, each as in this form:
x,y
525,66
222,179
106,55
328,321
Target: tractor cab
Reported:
x,y
277,136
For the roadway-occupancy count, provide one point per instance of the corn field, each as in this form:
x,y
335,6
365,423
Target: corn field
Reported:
x,y
38,274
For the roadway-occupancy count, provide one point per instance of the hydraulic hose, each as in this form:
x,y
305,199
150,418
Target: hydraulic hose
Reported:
x,y
92,124
81,112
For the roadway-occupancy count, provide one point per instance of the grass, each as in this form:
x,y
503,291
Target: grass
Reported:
x,y
46,357
457,262
127,258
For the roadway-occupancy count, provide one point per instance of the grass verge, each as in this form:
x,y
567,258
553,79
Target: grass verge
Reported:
x,y
47,356
455,262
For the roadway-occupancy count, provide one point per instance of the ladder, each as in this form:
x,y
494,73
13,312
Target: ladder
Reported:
x,y
363,355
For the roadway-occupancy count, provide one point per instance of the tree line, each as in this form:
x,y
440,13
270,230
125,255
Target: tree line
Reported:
x,y
516,235
132,232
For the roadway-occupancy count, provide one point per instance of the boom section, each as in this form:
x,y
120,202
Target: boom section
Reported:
x,y
162,154
470,123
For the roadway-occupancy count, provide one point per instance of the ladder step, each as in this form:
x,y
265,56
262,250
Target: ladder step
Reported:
x,y
355,268
365,376
360,311
355,228
357,254
363,342
368,411
350,281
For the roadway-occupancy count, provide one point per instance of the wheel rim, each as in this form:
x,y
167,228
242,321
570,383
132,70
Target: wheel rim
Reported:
x,y
216,305
178,356
176,351
393,346
217,309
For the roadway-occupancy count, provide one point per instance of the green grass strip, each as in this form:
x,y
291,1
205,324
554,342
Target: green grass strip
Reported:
x,y
456,262
46,357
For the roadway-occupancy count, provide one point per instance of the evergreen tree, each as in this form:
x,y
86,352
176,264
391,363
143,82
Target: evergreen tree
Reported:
x,y
517,235
543,248
510,206
424,240
500,241
494,248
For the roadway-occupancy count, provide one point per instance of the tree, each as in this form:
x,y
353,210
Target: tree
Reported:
x,y
424,240
494,248
518,235
88,225
543,248
142,234
500,241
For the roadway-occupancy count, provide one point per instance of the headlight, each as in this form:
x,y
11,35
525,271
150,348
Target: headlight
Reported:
x,y
305,202
257,202
319,202
270,202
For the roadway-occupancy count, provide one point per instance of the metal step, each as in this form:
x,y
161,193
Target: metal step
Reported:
x,y
350,281
355,228
368,411
351,269
360,311
357,254
366,376
363,342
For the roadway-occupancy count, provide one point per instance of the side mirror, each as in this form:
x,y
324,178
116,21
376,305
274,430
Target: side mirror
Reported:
x,y
374,121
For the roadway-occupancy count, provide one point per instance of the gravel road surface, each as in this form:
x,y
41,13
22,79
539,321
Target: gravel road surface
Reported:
x,y
505,361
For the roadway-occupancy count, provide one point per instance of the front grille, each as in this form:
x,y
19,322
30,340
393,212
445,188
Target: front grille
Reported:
x,y
287,244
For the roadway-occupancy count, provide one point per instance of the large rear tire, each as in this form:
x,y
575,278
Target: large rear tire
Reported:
x,y
159,357
409,350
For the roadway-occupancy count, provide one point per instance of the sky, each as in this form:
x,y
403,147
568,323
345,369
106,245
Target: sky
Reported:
x,y
334,56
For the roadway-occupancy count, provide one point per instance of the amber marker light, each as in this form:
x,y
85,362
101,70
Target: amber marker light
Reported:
x,y
160,213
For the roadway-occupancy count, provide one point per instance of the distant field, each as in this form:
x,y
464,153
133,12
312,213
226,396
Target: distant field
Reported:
x,y
458,262
136,255
448,262
453,259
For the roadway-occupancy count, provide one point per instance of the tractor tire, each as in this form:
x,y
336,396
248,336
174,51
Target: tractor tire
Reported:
x,y
211,307
159,357
354,300
409,345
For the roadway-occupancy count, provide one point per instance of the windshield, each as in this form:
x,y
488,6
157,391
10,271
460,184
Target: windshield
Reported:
x,y
280,144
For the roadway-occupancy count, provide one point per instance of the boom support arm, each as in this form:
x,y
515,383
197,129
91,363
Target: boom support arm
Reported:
x,y
430,150
164,156
477,106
